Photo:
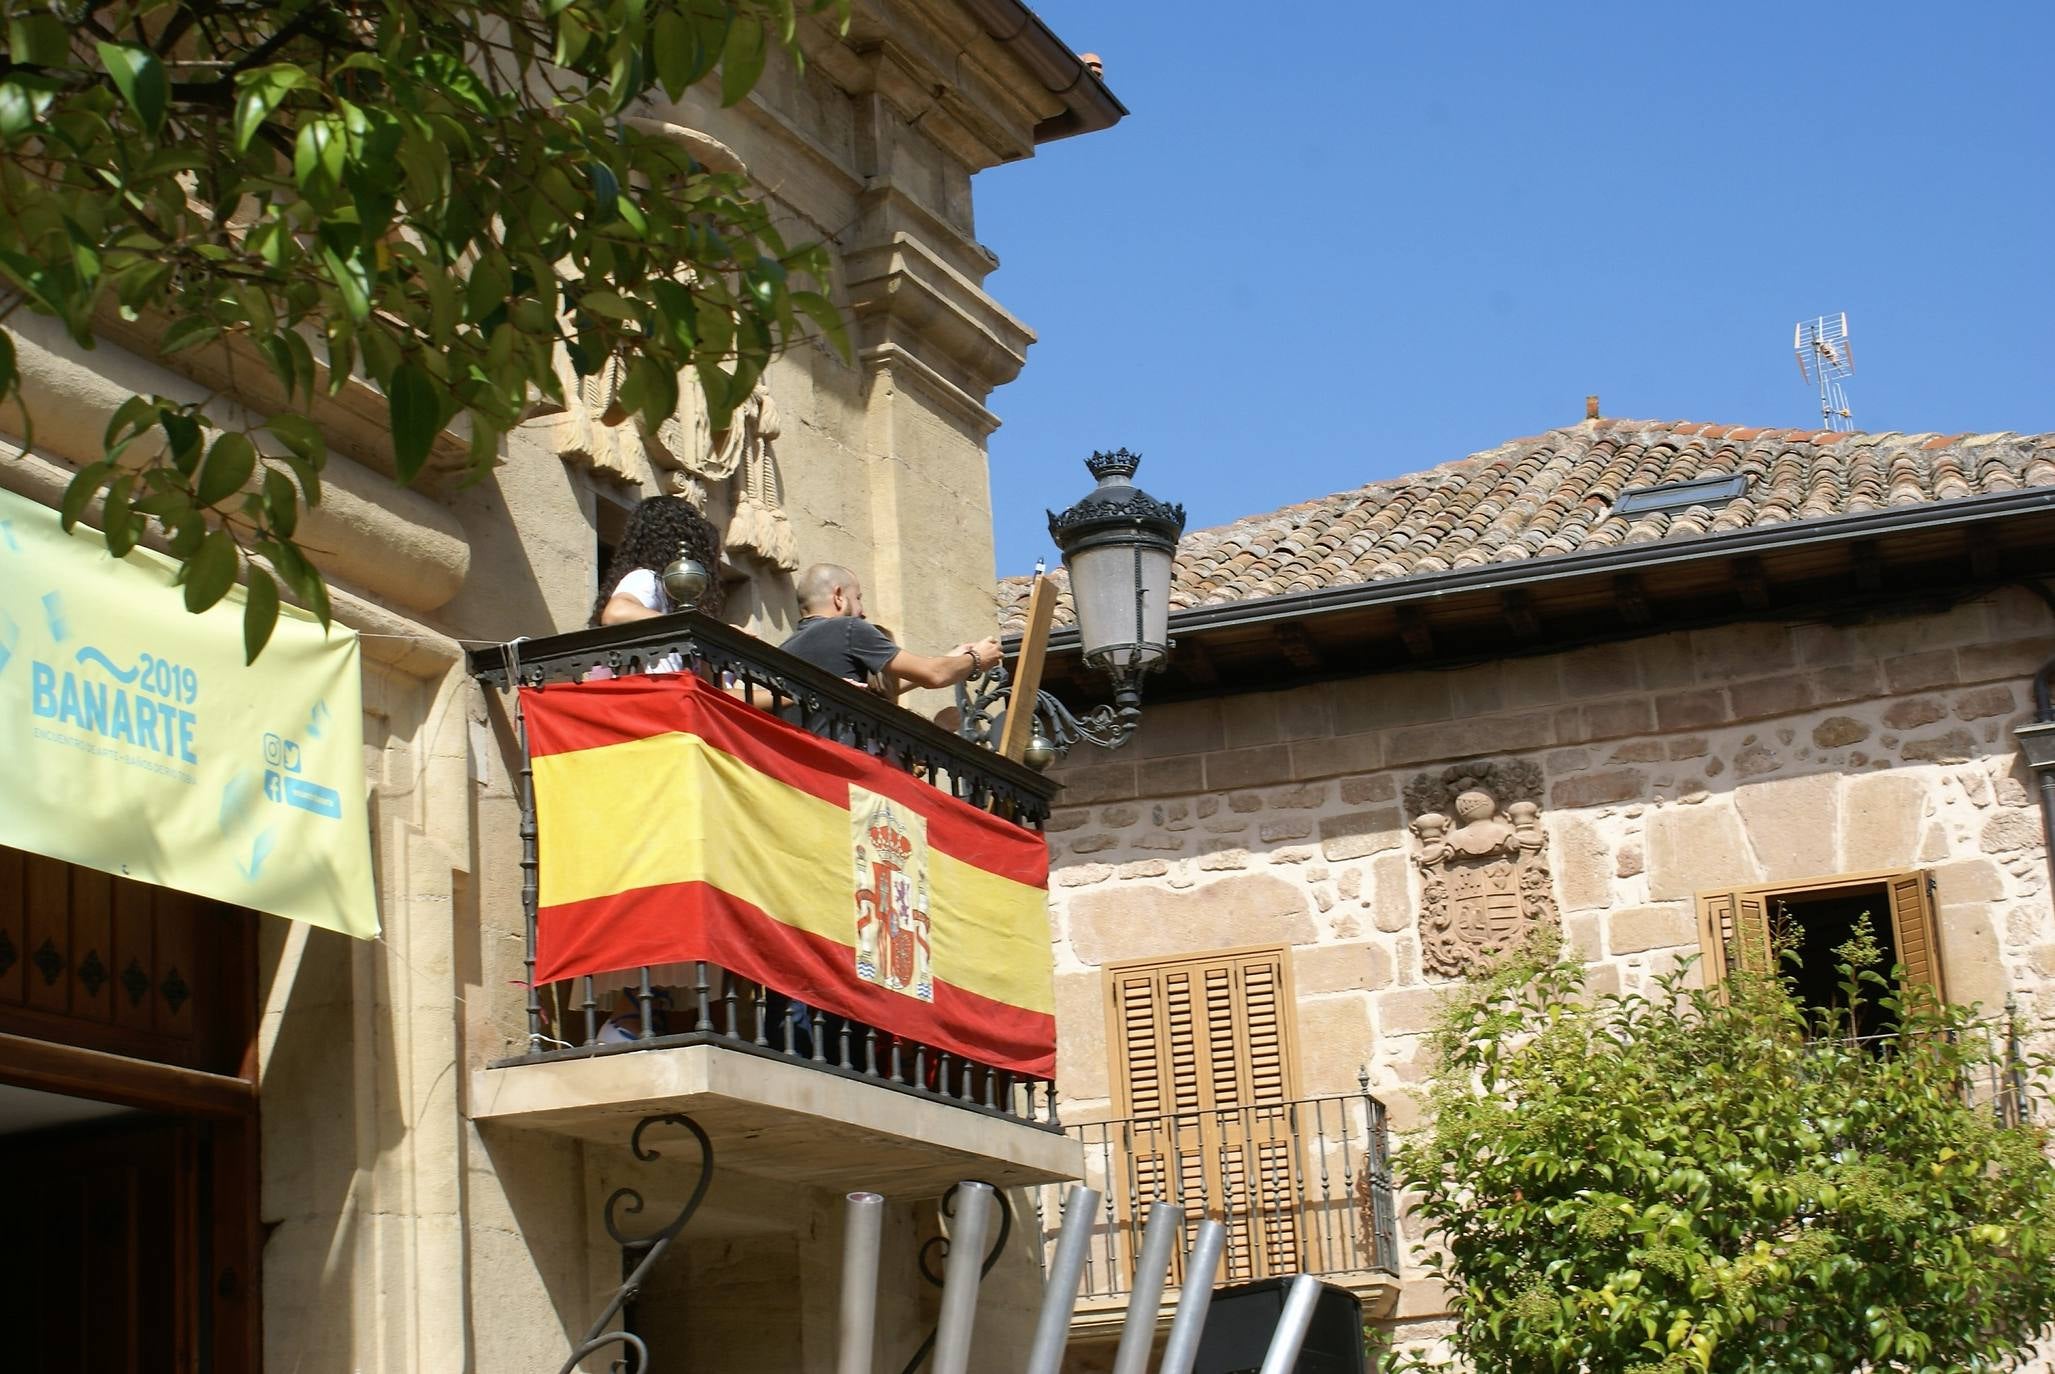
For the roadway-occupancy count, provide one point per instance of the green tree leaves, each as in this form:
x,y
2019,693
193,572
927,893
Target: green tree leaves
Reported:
x,y
416,416
1722,1182
438,201
230,462
140,78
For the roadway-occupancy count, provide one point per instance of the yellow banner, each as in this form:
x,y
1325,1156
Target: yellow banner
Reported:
x,y
138,743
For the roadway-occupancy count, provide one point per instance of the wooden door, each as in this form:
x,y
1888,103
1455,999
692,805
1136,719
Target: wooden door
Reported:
x,y
117,1227
135,1237
1205,1080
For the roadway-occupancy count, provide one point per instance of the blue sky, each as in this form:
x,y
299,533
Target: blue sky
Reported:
x,y
1333,243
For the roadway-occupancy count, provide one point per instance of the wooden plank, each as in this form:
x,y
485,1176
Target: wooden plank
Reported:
x,y
51,1067
1194,665
92,945
1518,609
1027,670
1869,565
177,977
1296,645
14,950
1752,583
1414,630
135,991
47,949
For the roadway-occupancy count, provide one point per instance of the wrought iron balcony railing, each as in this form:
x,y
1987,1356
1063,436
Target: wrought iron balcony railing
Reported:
x,y
713,1006
2001,1077
1302,1187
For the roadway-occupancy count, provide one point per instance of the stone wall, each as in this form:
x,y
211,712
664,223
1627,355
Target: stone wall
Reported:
x,y
1749,754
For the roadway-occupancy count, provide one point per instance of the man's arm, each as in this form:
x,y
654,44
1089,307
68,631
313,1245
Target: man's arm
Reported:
x,y
944,670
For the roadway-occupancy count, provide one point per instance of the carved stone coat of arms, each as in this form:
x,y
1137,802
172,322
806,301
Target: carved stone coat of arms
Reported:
x,y
1483,867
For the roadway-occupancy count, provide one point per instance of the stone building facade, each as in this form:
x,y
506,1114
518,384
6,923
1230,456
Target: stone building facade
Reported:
x,y
405,1227
1431,786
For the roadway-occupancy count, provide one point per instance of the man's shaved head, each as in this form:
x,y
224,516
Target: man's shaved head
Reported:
x,y
818,584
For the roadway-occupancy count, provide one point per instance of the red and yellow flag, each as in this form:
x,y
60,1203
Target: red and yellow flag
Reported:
x,y
679,824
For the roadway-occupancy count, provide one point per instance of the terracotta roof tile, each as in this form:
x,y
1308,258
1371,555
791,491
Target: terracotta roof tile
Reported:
x,y
1552,494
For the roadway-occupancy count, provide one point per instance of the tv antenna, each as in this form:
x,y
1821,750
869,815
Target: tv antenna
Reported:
x,y
1825,356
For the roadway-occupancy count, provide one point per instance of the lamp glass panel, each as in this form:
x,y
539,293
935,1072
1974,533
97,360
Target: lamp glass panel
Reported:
x,y
1155,617
1115,632
1102,582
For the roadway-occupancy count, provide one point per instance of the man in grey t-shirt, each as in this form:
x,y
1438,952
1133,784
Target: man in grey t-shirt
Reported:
x,y
833,635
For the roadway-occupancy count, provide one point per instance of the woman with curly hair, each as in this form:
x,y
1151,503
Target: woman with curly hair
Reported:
x,y
633,588
659,528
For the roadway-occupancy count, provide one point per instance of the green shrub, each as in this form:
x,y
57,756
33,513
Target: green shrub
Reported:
x,y
1724,1181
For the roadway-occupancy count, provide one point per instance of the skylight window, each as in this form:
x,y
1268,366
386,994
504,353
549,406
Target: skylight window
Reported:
x,y
1667,497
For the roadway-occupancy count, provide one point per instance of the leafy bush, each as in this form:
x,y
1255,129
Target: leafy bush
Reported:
x,y
1726,1181
450,198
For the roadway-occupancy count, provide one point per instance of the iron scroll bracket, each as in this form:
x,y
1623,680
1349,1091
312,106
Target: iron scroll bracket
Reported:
x,y
650,1248
983,700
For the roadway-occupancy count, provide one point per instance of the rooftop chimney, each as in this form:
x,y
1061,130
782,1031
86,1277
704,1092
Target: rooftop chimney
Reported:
x,y
1591,407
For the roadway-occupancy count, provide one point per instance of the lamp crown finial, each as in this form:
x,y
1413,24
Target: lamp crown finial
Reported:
x,y
1119,463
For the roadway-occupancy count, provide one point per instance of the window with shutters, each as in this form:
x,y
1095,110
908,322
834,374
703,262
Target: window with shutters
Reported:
x,y
1203,1076
1739,927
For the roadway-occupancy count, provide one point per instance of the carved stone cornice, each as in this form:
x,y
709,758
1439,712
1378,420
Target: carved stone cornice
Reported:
x,y
935,66
902,292
908,369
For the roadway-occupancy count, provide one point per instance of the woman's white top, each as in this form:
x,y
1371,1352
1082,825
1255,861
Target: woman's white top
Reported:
x,y
644,586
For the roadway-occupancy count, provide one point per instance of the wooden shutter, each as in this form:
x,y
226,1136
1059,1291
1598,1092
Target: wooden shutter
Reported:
x,y
1203,1067
1915,932
1200,1034
1153,1030
1751,937
1715,929
1734,934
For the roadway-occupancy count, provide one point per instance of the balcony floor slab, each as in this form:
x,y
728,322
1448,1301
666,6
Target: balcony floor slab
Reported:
x,y
777,1119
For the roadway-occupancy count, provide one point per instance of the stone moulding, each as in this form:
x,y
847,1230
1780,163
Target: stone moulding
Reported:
x,y
1483,861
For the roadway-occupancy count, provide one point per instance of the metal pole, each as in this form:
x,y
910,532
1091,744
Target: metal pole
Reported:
x,y
1059,1293
863,1230
975,1203
1182,1348
1292,1326
531,849
1138,1332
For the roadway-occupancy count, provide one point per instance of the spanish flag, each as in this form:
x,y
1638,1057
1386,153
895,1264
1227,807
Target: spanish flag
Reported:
x,y
677,824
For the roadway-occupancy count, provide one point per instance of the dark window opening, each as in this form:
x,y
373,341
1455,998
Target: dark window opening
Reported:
x,y
1817,925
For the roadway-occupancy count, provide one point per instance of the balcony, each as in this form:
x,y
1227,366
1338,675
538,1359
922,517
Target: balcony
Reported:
x,y
822,1100
1302,1187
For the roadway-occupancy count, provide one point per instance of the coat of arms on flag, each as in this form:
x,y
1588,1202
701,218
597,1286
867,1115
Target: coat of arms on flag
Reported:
x,y
892,948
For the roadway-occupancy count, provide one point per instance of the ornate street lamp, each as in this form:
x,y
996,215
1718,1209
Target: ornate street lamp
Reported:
x,y
1118,544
